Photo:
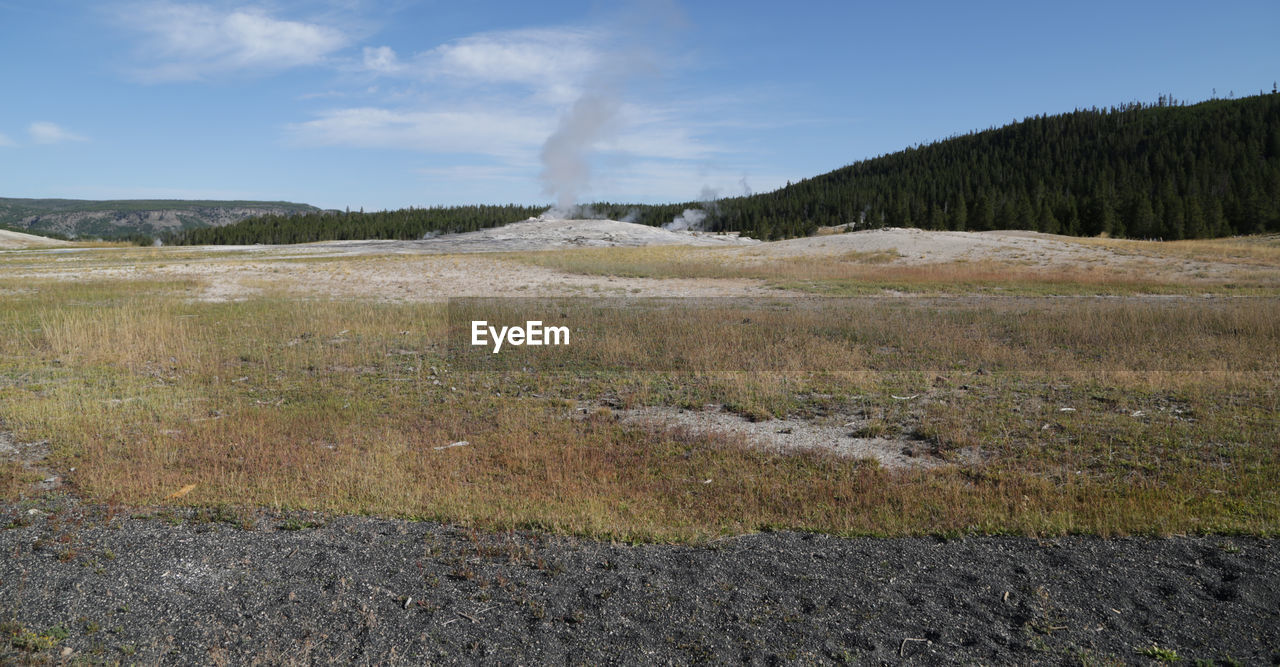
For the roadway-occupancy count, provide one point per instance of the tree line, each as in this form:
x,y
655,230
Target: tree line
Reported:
x,y
404,224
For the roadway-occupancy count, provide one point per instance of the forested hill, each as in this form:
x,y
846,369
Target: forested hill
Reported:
x,y
1146,171
1163,170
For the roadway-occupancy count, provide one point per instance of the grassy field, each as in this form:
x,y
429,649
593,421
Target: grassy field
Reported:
x,y
1129,416
870,273
1260,250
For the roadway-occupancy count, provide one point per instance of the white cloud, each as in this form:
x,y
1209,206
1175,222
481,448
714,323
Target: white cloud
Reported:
x,y
512,133
550,63
5,140
381,59
191,42
497,133
541,57
44,132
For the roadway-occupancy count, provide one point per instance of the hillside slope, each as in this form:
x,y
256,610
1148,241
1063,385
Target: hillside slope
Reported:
x,y
116,218
1143,171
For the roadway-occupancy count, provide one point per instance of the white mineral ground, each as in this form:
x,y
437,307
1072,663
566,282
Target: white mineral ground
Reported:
x,y
20,241
465,264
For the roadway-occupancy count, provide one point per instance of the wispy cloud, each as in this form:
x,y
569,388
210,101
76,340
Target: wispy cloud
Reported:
x,y
515,133
382,60
546,64
550,61
44,132
496,133
5,140
187,42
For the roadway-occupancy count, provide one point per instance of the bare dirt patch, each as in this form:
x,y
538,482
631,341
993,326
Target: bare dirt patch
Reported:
x,y
29,457
836,435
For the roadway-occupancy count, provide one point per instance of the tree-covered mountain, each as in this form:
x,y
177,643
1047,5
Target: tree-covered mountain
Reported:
x,y
124,218
1163,170
1145,171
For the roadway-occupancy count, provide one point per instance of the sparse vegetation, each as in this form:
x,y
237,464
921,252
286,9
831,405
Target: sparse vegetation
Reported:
x,y
33,641
1160,654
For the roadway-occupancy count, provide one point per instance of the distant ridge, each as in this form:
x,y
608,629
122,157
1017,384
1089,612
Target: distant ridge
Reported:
x,y
125,218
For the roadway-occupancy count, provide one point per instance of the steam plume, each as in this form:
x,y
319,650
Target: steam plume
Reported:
x,y
596,115
690,220
565,169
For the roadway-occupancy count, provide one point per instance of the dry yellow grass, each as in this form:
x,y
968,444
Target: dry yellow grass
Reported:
x,y
1259,250
886,334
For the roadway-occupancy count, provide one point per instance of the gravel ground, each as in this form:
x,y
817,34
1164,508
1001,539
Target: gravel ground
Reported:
x,y
82,584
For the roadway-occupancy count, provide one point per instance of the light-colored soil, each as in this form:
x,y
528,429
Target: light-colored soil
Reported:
x,y
418,278
917,246
1032,249
551,234
466,264
426,270
18,240
834,435
31,456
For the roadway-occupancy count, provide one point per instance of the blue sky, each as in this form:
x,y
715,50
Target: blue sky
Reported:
x,y
390,104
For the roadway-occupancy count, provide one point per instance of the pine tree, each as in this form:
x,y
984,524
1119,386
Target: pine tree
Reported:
x,y
1195,222
959,215
1141,218
1047,223
984,215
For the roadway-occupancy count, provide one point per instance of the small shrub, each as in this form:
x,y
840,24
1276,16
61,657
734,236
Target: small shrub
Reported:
x,y
33,642
1160,654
